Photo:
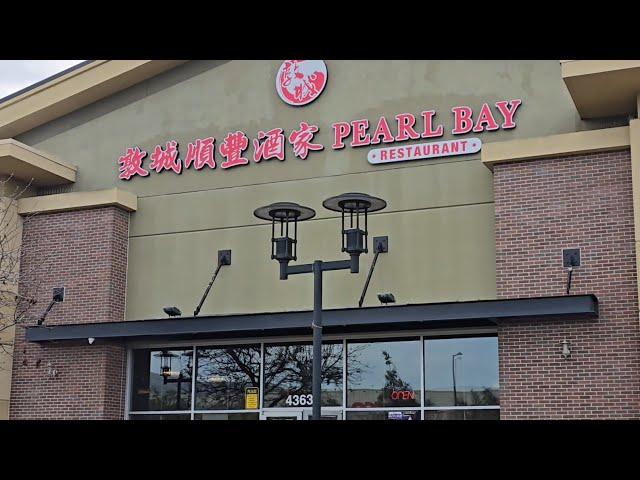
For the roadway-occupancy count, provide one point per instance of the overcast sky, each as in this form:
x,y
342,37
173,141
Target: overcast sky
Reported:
x,y
18,74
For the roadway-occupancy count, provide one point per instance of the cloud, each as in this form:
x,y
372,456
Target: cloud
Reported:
x,y
18,74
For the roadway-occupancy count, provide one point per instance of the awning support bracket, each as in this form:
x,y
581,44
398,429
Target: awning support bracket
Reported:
x,y
380,245
224,258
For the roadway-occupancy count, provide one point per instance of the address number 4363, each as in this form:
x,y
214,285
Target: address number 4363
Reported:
x,y
299,400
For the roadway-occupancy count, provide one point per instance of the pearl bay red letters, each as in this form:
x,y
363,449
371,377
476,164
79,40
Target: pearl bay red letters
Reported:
x,y
236,149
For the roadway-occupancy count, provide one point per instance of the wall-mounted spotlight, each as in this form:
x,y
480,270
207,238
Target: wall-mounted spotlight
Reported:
x,y
58,296
91,340
566,352
172,311
386,298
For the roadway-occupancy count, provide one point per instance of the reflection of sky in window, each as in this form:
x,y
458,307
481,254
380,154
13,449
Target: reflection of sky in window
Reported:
x,y
477,367
405,355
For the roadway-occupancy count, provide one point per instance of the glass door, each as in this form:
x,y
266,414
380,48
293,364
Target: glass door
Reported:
x,y
325,414
288,414
299,414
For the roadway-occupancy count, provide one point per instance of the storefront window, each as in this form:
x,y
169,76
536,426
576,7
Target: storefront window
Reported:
x,y
223,376
162,379
169,416
383,373
391,378
461,372
484,414
384,415
287,375
227,416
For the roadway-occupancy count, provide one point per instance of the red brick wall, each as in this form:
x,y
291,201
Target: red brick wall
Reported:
x,y
86,252
541,207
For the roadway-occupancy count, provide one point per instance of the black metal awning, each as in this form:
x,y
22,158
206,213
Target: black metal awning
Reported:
x,y
370,319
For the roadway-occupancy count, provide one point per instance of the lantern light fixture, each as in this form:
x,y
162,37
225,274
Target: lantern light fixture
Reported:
x,y
282,215
356,207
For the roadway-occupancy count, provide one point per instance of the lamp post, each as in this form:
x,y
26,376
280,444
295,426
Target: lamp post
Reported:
x,y
354,207
453,371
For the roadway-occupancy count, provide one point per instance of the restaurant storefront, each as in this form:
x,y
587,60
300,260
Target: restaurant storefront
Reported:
x,y
363,378
469,229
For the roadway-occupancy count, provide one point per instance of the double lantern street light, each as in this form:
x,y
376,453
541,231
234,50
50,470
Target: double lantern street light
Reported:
x,y
284,217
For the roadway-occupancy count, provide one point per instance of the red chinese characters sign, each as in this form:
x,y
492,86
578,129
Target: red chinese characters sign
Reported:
x,y
384,134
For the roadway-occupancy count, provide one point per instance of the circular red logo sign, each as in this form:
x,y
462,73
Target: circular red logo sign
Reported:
x,y
299,82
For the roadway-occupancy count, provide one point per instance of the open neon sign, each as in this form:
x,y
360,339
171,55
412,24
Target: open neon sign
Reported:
x,y
403,395
270,144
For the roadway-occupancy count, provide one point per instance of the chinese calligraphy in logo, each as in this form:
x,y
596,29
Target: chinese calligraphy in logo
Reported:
x,y
300,82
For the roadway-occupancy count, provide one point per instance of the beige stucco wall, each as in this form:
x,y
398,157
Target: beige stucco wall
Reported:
x,y
440,213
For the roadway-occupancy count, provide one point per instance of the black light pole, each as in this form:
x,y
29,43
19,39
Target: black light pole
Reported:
x,y
284,249
453,370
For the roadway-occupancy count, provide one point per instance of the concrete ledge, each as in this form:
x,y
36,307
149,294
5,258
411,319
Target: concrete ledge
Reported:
x,y
78,201
578,68
602,88
80,87
30,165
555,145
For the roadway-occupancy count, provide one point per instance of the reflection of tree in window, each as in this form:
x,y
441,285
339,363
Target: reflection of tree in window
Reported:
x,y
388,370
355,365
485,397
394,383
224,374
288,371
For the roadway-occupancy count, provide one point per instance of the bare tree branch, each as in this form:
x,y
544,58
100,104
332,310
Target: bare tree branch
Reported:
x,y
19,282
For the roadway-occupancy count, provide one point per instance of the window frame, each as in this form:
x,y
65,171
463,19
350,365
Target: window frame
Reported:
x,y
344,338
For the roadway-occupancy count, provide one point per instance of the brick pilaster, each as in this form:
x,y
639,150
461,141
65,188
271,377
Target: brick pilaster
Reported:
x,y
86,252
541,207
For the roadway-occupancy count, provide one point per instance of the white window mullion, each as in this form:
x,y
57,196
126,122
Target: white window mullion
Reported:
x,y
261,377
422,381
194,372
344,379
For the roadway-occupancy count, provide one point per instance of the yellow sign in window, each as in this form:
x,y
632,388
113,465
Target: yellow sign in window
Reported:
x,y
251,398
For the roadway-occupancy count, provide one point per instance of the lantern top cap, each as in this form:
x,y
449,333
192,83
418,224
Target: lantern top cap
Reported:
x,y
165,354
352,202
284,211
